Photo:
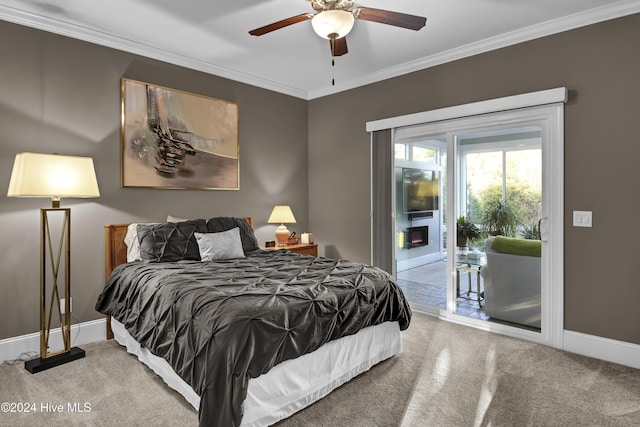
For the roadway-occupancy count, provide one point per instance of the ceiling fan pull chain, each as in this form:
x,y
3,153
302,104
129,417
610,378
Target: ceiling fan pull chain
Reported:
x,y
333,72
333,60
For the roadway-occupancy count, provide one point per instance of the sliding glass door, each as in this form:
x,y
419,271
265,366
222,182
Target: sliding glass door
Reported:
x,y
471,234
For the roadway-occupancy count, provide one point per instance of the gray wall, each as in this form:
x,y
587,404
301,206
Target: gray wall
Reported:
x,y
601,67
62,95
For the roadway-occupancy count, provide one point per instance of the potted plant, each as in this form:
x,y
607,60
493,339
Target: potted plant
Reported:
x,y
500,218
466,230
531,232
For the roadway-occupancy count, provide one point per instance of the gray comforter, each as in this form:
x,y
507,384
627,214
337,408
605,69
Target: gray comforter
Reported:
x,y
220,323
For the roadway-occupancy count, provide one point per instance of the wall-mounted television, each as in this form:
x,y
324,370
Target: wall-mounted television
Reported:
x,y
420,190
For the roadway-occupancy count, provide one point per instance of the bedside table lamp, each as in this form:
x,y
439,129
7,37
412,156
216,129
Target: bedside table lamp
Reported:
x,y
282,215
55,176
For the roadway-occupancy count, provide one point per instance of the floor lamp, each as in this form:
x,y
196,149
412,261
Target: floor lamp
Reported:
x,y
55,176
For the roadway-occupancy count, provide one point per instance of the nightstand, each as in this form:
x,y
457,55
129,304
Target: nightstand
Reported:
x,y
304,249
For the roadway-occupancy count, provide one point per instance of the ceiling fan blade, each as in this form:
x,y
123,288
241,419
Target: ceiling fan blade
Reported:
x,y
411,22
281,24
338,46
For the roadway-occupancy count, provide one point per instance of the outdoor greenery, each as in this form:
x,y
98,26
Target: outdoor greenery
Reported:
x,y
524,200
520,205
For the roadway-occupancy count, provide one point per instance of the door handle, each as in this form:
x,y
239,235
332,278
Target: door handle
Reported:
x,y
542,221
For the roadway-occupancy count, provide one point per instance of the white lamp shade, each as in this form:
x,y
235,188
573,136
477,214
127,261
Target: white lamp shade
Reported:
x,y
282,215
52,175
329,22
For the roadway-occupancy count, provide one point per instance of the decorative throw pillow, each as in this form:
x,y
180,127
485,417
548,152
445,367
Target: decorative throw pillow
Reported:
x,y
170,242
222,245
171,218
248,238
132,242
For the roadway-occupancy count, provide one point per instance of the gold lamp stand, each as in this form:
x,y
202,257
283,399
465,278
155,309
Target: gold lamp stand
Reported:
x,y
54,176
50,300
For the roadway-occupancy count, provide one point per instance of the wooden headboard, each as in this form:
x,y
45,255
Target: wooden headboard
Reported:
x,y
116,252
115,249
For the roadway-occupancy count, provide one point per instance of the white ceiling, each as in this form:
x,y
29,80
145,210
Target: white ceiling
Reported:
x,y
212,36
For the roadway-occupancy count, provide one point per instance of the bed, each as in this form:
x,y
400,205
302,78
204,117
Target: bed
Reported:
x,y
251,338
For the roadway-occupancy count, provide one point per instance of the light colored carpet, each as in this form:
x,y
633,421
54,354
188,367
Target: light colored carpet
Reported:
x,y
447,375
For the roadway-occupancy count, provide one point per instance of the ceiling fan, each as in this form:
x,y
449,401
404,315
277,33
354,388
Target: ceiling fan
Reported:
x,y
333,19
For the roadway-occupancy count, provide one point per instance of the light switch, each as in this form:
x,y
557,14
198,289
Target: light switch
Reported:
x,y
582,219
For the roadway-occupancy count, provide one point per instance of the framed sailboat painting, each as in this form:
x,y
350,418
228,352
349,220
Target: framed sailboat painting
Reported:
x,y
179,140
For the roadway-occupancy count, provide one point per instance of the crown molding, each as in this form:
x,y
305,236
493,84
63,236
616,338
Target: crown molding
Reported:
x,y
592,16
555,26
109,40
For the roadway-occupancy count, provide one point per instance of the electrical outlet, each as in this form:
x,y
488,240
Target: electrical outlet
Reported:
x,y
582,219
63,305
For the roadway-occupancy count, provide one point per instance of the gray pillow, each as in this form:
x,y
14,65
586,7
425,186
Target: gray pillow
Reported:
x,y
170,242
222,245
249,241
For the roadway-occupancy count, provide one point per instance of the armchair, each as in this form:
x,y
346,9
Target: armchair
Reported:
x,y
512,280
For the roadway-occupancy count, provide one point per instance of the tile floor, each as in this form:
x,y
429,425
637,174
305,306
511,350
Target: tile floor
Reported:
x,y
426,286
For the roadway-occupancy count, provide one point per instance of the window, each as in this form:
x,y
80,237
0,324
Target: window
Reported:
x,y
400,151
506,167
415,152
422,154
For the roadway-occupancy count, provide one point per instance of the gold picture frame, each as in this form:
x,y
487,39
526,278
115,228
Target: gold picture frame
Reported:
x,y
179,140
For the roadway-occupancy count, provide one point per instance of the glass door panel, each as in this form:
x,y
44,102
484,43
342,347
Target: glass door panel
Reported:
x,y
420,221
499,193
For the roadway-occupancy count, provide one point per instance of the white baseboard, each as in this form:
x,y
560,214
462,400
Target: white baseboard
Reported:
x,y
408,264
621,352
607,349
81,333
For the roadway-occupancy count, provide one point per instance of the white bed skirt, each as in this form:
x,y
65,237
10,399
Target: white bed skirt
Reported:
x,y
293,384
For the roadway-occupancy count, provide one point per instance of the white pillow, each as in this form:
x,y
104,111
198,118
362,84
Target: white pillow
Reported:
x,y
133,245
222,245
171,218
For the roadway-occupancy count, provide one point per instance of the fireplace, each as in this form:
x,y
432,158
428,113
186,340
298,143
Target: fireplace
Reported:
x,y
417,236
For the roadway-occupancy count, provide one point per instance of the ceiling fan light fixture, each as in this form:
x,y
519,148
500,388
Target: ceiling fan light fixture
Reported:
x,y
333,22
